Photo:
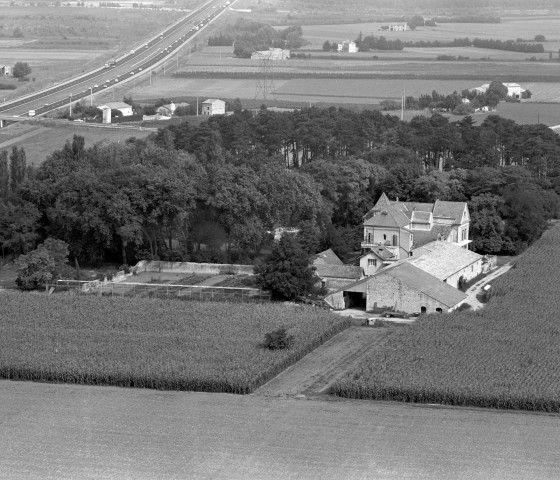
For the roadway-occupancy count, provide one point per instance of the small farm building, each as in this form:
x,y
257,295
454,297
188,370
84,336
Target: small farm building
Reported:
x,y
5,70
402,287
122,107
332,272
213,106
347,46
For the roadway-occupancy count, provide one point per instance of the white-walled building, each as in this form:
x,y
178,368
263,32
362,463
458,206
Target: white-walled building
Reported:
x,y
213,106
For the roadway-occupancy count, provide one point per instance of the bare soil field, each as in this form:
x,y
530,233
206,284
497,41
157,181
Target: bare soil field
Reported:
x,y
66,432
316,371
39,141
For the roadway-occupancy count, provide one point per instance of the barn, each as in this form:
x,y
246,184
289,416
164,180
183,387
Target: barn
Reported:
x,y
402,287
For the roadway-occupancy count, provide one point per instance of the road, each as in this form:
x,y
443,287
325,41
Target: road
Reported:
x,y
68,432
142,60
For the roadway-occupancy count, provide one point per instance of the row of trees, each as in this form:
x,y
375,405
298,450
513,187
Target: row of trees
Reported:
x,y
189,191
371,42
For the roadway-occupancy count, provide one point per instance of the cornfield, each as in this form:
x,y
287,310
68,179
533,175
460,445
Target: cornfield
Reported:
x,y
506,355
152,343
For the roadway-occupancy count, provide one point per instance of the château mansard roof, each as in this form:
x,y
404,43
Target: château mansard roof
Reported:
x,y
387,213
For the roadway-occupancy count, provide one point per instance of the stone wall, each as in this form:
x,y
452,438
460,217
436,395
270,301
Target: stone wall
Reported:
x,y
192,267
388,293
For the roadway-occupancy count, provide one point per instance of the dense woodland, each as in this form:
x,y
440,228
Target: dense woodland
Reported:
x,y
189,190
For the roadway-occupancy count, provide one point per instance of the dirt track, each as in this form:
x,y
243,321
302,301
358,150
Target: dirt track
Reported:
x,y
316,371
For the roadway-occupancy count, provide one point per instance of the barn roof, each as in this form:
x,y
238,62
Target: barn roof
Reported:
x,y
426,283
328,257
443,259
339,271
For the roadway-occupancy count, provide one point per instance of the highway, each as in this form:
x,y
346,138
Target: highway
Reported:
x,y
141,60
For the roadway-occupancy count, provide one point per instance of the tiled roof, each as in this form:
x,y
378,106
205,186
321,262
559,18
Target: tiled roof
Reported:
x,y
421,217
421,237
381,251
443,259
213,100
115,105
328,257
423,282
389,217
339,271
452,210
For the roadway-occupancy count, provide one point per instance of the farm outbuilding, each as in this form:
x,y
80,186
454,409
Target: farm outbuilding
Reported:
x,y
402,287
122,107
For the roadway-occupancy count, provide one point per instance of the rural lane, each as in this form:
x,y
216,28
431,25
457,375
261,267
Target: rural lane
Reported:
x,y
320,368
62,432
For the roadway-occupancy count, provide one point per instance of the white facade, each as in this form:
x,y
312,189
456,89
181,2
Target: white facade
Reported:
x,y
213,106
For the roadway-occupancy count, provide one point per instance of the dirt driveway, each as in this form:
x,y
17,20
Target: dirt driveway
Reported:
x,y
314,373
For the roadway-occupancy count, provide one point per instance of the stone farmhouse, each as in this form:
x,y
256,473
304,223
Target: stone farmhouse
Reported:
x,y
213,106
415,257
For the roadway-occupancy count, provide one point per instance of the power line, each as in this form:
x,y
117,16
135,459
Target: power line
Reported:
x,y
265,81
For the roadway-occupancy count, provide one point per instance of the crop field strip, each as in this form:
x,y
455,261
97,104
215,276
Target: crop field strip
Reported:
x,y
506,355
151,343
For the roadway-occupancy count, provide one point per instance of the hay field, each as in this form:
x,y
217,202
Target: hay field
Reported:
x,y
39,141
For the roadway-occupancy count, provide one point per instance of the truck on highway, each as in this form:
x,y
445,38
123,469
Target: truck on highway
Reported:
x,y
31,113
111,63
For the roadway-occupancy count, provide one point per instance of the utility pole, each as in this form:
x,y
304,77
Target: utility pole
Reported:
x,y
90,96
70,104
197,105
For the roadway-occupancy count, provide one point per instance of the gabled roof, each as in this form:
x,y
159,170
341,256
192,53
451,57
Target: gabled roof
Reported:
x,y
328,257
421,217
443,259
421,237
115,105
417,280
423,282
380,251
388,217
452,210
339,271
213,101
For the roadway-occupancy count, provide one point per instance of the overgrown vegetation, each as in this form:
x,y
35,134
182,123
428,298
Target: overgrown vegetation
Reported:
x,y
146,343
504,356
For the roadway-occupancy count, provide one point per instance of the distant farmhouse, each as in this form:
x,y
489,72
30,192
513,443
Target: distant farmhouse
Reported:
x,y
415,258
122,107
347,46
213,106
514,89
395,27
5,70
271,54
